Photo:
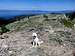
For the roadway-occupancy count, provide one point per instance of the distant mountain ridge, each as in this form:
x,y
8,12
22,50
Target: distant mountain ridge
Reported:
x,y
12,13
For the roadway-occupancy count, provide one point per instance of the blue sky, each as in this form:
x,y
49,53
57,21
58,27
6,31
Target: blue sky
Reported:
x,y
50,5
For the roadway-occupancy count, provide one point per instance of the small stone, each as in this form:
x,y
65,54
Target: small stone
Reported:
x,y
10,52
61,46
1,37
64,44
6,36
5,46
51,31
74,25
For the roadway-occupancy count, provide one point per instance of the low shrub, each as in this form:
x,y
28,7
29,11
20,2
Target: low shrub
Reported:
x,y
67,23
4,29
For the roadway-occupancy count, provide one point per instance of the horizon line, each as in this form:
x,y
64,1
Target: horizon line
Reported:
x,y
37,10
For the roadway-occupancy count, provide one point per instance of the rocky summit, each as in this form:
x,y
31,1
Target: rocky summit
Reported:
x,y
52,29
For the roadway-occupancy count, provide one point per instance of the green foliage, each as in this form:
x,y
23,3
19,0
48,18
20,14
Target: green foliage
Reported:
x,y
46,17
4,29
68,23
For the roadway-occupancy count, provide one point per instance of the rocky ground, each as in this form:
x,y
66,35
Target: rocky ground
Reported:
x,y
58,40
